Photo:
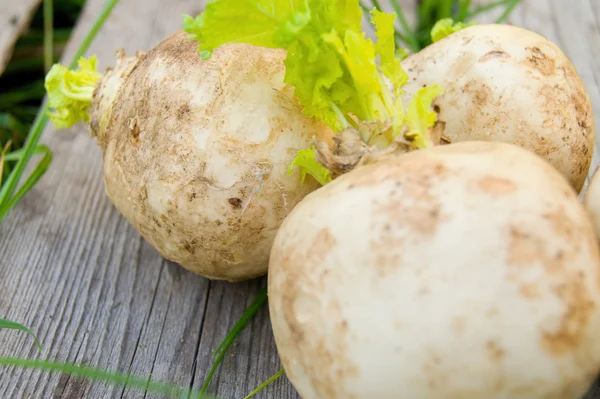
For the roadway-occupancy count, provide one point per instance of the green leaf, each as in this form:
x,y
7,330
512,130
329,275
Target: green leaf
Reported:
x,y
390,64
420,116
70,92
17,326
114,378
307,162
330,63
445,27
257,303
267,23
316,72
266,383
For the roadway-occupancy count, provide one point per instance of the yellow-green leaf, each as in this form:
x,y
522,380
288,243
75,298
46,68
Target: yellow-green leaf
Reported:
x,y
420,116
308,164
445,27
70,93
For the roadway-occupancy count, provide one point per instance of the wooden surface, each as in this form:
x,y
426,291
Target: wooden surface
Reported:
x,y
15,17
95,293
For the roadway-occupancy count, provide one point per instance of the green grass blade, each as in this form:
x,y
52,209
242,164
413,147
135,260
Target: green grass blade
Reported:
x,y
2,156
366,9
15,155
8,189
16,326
48,34
99,375
377,5
35,176
511,6
266,383
485,8
257,303
407,37
463,10
87,41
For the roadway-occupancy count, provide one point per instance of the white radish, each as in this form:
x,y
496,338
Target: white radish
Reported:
x,y
505,83
196,153
463,271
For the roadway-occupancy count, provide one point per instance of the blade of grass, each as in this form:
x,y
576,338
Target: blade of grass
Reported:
x,y
15,155
463,10
485,8
507,12
8,189
17,326
377,5
100,375
2,155
409,38
266,383
48,34
445,9
257,303
33,178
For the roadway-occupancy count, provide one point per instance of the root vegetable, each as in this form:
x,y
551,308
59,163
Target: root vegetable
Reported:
x,y
466,270
505,83
196,153
592,201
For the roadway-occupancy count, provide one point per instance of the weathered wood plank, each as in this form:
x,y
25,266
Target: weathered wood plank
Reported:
x,y
97,294
76,272
253,358
15,17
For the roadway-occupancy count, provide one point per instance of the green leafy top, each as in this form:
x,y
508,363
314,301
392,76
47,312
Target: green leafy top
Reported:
x,y
70,92
331,64
445,27
340,76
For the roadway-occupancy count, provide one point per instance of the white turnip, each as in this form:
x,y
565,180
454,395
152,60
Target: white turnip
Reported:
x,y
464,271
196,153
505,83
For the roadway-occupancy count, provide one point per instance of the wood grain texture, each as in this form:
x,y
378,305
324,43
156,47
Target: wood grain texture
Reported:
x,y
15,17
95,293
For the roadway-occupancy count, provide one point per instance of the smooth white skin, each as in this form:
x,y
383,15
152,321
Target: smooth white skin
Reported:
x,y
468,271
505,83
592,201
